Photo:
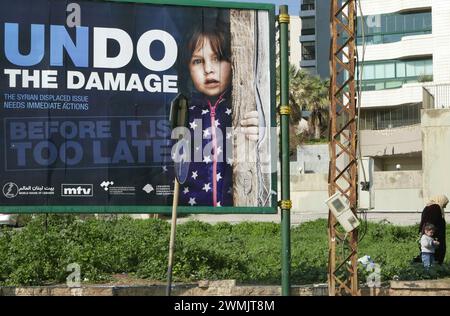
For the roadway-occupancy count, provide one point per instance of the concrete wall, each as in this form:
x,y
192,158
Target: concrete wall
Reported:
x,y
229,288
436,152
309,192
393,141
313,158
398,190
394,191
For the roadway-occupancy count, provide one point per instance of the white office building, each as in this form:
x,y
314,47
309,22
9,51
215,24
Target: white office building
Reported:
x,y
405,106
407,57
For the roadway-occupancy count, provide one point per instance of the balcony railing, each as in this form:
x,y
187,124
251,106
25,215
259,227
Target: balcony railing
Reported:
x,y
436,96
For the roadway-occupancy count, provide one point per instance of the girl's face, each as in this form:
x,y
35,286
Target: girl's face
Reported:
x,y
210,75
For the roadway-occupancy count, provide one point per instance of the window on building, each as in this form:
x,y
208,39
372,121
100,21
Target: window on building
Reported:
x,y
307,5
308,50
309,26
392,117
389,28
391,74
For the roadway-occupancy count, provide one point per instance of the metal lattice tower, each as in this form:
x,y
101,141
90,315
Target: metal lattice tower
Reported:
x,y
342,264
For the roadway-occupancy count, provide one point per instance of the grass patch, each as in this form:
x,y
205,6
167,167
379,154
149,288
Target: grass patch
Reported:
x,y
247,252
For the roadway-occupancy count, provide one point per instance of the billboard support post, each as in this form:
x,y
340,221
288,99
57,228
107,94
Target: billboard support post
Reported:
x,y
173,227
285,203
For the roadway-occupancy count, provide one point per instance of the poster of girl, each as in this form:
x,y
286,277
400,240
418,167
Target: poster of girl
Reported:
x,y
205,78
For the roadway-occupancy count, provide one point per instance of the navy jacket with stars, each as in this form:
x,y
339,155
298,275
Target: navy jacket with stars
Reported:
x,y
209,182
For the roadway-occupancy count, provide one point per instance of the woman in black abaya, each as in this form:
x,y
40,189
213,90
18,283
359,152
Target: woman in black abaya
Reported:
x,y
434,214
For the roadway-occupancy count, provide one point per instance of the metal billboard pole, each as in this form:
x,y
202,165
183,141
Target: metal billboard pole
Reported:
x,y
285,203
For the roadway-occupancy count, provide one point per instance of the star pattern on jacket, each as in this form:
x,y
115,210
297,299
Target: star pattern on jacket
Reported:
x,y
193,124
207,187
207,159
210,176
192,201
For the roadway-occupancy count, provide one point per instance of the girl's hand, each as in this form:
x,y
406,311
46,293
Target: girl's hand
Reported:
x,y
250,125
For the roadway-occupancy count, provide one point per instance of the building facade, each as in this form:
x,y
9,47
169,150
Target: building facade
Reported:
x,y
315,37
406,56
404,67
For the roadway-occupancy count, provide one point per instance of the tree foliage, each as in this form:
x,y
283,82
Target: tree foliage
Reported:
x,y
308,93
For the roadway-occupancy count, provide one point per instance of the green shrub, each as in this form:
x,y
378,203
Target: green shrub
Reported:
x,y
248,252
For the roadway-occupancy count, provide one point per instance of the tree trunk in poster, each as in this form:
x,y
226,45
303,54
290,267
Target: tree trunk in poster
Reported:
x,y
242,24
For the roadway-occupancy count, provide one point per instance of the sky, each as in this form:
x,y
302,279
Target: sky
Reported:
x,y
294,5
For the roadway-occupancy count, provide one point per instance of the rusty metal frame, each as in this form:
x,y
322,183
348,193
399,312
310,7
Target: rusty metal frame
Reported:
x,y
342,264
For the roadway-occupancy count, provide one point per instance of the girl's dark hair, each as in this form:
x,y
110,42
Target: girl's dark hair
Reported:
x,y
218,39
214,25
429,226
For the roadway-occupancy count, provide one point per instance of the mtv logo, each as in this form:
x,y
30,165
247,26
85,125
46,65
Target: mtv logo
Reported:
x,y
77,190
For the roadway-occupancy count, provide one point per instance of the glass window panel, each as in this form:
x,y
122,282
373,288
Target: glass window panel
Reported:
x,y
358,27
419,21
384,19
391,38
374,23
308,26
410,69
389,70
429,67
420,67
392,27
379,71
393,84
400,69
390,23
369,72
309,50
369,86
409,23
367,29
377,39
427,20
380,85
308,23
399,23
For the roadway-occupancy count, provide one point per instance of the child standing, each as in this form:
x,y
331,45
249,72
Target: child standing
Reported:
x,y
206,82
428,245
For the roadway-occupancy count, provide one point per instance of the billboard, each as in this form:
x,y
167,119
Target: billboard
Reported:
x,y
86,90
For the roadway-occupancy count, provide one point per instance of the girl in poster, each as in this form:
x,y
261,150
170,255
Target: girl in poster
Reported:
x,y
206,59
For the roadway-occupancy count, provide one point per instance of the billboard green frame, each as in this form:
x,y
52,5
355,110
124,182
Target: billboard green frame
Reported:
x,y
134,209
